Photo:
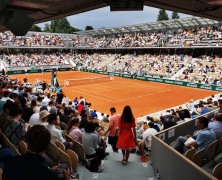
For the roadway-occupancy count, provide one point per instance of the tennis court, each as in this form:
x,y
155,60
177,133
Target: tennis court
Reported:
x,y
144,97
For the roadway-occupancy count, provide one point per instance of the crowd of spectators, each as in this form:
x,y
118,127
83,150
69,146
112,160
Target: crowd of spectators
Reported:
x,y
81,41
156,39
21,109
161,65
34,59
34,39
201,36
194,37
205,69
171,117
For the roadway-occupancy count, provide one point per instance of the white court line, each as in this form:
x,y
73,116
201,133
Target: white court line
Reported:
x,y
96,92
143,95
152,87
147,87
89,95
99,93
112,89
116,98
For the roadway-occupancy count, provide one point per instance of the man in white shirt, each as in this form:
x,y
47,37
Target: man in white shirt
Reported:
x,y
56,134
5,96
146,141
46,100
35,117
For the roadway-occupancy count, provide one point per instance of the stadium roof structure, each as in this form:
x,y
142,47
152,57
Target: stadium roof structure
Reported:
x,y
185,23
44,10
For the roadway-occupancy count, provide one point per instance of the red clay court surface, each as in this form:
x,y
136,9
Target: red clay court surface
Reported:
x,y
143,97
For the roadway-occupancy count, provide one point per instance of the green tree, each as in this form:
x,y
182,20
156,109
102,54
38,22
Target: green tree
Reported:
x,y
73,29
87,28
53,25
36,28
47,28
62,26
175,15
162,15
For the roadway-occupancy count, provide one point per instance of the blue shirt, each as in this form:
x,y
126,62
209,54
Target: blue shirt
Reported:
x,y
204,137
204,110
217,128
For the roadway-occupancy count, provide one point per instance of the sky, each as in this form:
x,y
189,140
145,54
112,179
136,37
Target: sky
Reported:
x,y
104,18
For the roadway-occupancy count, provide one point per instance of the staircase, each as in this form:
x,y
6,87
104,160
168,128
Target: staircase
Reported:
x,y
178,73
135,169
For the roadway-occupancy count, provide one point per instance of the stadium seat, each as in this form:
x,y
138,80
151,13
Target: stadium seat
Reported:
x,y
68,138
190,153
80,151
74,159
198,157
211,151
11,146
22,147
63,157
53,152
217,171
60,145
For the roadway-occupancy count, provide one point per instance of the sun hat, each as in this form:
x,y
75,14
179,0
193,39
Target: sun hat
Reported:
x,y
43,114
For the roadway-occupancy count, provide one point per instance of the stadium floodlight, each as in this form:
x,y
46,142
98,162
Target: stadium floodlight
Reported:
x,y
126,5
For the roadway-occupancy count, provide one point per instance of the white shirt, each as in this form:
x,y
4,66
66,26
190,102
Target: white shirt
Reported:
x,y
45,101
147,136
33,119
42,123
55,133
5,98
148,133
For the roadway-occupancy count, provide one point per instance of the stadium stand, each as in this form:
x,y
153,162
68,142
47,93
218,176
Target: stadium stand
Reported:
x,y
167,125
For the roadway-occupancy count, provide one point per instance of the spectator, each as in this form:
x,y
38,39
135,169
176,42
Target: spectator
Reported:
x,y
56,135
216,125
43,118
202,138
4,117
113,125
73,130
14,129
146,140
127,133
90,141
32,165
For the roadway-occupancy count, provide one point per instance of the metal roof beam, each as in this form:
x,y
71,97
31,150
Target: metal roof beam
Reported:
x,y
177,21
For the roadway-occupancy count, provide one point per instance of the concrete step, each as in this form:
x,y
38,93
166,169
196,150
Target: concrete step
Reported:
x,y
115,170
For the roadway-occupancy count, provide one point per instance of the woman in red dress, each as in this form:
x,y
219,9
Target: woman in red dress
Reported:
x,y
127,133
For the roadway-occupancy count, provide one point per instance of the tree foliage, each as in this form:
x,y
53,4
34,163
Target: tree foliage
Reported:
x,y
175,15
36,28
47,28
60,26
87,28
162,15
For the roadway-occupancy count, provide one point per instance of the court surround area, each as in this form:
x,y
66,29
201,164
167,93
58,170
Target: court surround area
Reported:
x,y
144,97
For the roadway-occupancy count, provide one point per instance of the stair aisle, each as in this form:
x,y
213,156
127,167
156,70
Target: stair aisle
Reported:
x,y
135,169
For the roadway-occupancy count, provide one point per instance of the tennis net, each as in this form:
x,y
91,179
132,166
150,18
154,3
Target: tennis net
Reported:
x,y
81,81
